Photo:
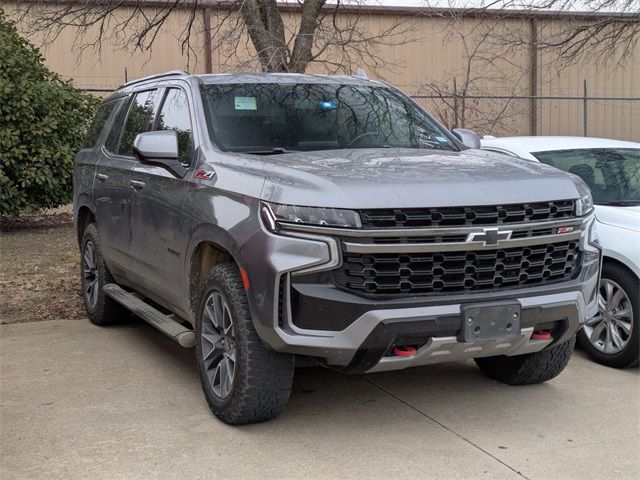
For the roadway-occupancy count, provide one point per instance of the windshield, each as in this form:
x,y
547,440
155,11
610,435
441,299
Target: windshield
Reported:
x,y
275,118
612,174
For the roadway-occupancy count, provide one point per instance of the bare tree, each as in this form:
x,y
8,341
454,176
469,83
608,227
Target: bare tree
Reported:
x,y
333,34
601,31
480,95
611,36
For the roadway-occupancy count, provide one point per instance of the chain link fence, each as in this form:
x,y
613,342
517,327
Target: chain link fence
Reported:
x,y
602,116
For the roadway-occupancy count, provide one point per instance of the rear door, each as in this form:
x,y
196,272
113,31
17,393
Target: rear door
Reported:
x,y
158,197
112,191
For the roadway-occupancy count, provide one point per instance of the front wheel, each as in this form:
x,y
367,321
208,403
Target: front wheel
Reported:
x,y
243,381
531,368
612,337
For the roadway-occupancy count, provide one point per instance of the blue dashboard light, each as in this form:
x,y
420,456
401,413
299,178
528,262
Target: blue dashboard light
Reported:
x,y
328,105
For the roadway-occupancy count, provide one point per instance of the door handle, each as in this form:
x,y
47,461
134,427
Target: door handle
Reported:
x,y
137,184
102,177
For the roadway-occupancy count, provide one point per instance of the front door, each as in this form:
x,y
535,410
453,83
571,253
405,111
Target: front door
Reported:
x,y
158,197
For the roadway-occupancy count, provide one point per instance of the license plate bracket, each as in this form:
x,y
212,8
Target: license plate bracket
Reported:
x,y
490,321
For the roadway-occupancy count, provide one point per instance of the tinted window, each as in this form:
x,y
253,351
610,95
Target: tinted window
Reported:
x,y
141,114
174,115
111,143
612,174
263,117
97,125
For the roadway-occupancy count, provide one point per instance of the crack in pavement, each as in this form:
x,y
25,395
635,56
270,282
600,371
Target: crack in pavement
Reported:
x,y
386,392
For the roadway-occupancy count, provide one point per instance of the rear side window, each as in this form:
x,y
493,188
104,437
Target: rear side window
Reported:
x,y
97,125
141,114
113,139
174,115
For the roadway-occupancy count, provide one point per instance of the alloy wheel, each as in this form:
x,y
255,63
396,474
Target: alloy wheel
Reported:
x,y
610,330
218,344
90,274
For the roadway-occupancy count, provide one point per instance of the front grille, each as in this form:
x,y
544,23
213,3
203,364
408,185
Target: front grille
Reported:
x,y
457,272
467,216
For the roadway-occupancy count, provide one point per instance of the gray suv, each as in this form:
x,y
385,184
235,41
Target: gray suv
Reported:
x,y
274,220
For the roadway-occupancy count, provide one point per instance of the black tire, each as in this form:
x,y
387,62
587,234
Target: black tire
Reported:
x,y
629,356
262,378
531,368
102,310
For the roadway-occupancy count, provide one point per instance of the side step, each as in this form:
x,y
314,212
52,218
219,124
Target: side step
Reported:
x,y
177,332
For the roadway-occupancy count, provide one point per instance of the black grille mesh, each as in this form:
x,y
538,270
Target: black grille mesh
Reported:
x,y
452,272
467,216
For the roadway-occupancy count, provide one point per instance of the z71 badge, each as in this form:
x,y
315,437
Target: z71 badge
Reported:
x,y
203,174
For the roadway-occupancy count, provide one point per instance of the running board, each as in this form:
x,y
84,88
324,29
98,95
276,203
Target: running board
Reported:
x,y
172,329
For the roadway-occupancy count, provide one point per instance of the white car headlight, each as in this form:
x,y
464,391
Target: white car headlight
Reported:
x,y
584,204
320,216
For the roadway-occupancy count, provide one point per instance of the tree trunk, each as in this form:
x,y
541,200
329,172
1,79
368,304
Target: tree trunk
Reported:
x,y
303,45
266,30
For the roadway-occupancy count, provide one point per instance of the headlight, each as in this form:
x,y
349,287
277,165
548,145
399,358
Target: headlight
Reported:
x,y
325,217
584,205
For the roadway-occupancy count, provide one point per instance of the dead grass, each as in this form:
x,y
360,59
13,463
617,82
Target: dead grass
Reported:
x,y
39,269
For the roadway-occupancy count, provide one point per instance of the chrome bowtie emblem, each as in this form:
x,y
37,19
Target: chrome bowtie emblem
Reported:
x,y
489,236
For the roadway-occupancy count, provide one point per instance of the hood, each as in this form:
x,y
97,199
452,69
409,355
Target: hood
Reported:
x,y
383,178
623,217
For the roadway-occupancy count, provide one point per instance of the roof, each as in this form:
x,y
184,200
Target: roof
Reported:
x,y
433,8
227,78
524,146
244,78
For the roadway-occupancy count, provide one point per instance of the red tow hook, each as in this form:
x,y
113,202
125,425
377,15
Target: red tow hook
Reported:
x,y
541,335
404,351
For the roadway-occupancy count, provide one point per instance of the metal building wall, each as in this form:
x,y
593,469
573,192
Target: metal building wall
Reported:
x,y
433,55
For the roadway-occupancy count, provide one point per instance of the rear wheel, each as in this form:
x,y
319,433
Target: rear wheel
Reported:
x,y
101,309
612,337
243,381
531,368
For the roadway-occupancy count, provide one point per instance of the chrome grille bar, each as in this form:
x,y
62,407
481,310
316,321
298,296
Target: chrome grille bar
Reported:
x,y
457,246
426,232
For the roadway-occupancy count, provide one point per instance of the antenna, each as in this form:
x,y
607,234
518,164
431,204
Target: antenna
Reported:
x,y
360,74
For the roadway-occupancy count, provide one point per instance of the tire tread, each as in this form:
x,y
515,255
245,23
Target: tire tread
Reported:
x,y
264,377
531,368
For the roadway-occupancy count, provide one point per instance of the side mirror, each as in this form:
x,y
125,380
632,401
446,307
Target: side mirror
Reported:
x,y
470,138
159,148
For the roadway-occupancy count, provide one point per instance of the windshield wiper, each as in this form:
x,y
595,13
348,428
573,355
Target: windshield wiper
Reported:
x,y
265,151
620,203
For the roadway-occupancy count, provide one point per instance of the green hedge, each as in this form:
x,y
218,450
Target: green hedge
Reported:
x,y
43,120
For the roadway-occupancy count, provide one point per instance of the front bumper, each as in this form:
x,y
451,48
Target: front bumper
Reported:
x,y
374,327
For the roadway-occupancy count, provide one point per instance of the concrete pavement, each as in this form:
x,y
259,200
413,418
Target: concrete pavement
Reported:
x,y
79,401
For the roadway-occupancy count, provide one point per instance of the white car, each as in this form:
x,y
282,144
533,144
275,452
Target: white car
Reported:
x,y
611,168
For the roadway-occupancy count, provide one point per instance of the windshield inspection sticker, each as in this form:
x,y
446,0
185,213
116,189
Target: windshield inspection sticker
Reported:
x,y
441,139
246,103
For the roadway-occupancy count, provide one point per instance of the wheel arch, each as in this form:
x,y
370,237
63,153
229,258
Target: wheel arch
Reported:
x,y
615,260
83,217
209,246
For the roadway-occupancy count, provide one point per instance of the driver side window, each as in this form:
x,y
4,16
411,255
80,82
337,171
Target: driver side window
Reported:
x,y
174,115
141,114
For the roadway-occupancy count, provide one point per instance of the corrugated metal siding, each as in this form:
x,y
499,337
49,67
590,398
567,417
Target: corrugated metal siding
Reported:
x,y
431,54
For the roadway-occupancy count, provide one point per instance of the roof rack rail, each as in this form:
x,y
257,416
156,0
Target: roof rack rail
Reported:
x,y
172,73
